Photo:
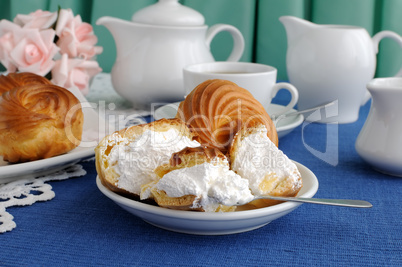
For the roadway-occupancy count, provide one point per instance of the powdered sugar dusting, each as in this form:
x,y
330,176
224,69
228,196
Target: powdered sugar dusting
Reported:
x,y
257,158
136,160
212,182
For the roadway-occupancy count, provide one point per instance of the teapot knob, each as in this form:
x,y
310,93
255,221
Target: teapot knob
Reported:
x,y
168,13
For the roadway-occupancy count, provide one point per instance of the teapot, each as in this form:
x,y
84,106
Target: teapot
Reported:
x,y
331,62
379,142
153,48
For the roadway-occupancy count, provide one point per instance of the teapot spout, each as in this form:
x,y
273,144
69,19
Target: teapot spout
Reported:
x,y
296,27
122,32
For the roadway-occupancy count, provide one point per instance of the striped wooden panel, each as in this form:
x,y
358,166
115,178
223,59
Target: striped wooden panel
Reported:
x,y
257,19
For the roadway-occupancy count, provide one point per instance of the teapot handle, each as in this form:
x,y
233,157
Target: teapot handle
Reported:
x,y
376,41
238,40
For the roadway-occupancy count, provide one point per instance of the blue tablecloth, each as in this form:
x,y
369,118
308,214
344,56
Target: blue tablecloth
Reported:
x,y
80,226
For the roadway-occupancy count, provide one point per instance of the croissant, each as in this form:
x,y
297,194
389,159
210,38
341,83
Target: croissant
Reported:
x,y
217,109
38,121
13,80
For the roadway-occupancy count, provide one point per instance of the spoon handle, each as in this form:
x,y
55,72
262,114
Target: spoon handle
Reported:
x,y
311,109
324,201
294,113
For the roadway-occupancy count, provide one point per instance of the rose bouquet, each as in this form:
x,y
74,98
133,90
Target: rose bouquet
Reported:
x,y
56,45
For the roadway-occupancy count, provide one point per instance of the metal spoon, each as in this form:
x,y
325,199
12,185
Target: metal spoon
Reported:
x,y
294,113
324,201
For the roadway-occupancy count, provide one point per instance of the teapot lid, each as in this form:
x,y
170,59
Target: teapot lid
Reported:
x,y
168,13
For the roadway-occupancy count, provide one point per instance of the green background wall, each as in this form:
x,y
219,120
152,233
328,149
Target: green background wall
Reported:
x,y
257,19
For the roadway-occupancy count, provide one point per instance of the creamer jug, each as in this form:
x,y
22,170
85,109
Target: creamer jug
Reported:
x,y
380,141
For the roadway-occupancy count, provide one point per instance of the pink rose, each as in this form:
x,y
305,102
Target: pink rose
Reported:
x,y
7,43
36,20
34,50
28,50
66,17
76,38
74,72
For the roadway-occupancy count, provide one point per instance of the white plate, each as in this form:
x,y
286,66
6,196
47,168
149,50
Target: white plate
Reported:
x,y
203,223
90,138
283,126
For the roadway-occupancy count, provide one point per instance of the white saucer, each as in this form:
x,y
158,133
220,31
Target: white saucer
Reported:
x,y
203,223
283,126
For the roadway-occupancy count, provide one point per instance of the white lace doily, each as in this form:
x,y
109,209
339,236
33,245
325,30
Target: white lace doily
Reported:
x,y
28,191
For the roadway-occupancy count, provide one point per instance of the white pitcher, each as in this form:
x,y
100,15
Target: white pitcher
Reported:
x,y
380,140
331,62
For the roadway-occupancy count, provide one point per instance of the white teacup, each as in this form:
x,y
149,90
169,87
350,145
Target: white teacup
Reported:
x,y
259,79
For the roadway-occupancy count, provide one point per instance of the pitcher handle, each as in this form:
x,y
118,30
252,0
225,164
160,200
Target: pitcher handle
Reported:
x,y
387,34
376,41
238,39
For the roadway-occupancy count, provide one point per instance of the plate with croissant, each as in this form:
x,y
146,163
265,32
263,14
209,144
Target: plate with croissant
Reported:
x,y
43,127
202,171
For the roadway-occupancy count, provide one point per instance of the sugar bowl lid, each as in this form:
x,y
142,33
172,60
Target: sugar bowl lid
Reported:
x,y
168,13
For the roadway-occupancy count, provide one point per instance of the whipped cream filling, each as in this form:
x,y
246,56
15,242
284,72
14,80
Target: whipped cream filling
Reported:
x,y
135,160
263,164
213,184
